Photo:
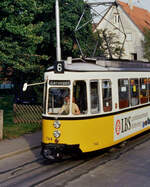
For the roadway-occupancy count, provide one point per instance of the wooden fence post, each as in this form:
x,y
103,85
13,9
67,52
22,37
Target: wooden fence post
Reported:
x,y
1,124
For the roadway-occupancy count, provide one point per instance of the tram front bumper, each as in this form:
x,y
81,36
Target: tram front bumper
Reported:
x,y
54,151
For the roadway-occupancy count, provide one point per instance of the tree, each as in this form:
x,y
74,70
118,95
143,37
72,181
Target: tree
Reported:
x,y
19,41
146,44
28,39
110,47
70,12
19,35
27,32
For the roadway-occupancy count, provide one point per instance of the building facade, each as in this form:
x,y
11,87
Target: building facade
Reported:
x,y
129,23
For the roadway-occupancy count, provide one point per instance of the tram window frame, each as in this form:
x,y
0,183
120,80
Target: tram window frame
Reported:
x,y
94,97
134,95
107,101
56,107
148,85
80,96
143,90
123,93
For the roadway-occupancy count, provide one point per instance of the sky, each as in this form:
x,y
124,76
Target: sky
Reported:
x,y
102,9
140,3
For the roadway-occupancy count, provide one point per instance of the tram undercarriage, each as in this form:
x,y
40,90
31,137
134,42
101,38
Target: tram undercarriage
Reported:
x,y
59,151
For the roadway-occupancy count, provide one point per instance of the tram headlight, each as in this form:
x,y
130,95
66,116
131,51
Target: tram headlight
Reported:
x,y
57,124
56,134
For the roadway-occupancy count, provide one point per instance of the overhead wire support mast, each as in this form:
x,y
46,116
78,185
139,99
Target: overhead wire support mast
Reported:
x,y
91,5
116,5
58,48
101,3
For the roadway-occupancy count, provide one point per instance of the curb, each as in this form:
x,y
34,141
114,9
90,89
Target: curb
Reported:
x,y
19,152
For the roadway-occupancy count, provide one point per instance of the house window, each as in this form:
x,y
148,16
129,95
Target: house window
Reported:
x,y
133,56
129,36
116,18
6,86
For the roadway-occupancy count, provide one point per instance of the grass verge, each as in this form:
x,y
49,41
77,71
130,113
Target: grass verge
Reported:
x,y
12,130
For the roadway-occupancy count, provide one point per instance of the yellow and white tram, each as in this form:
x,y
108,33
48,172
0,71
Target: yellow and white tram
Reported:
x,y
92,104
113,99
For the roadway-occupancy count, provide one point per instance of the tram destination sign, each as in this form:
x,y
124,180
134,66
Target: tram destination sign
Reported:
x,y
59,83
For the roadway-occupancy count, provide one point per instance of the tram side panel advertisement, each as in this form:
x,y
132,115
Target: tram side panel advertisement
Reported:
x,y
131,122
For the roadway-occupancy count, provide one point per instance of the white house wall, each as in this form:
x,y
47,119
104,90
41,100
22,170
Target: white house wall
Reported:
x,y
133,46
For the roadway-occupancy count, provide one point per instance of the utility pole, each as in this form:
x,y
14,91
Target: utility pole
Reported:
x,y
58,48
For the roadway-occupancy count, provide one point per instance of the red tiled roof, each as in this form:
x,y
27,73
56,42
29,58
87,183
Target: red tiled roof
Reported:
x,y
139,16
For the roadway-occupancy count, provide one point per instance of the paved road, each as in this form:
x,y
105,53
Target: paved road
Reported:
x,y
132,169
128,169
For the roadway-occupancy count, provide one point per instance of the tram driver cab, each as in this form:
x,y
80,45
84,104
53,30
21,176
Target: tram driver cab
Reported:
x,y
62,102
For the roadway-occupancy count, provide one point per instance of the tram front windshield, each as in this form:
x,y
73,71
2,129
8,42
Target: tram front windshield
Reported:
x,y
59,101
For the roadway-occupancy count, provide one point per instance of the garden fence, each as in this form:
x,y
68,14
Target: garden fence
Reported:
x,y
27,113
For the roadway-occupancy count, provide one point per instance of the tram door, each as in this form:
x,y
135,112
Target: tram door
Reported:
x,y
80,95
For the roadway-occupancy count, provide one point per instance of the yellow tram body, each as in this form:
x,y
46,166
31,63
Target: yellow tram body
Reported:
x,y
113,123
90,134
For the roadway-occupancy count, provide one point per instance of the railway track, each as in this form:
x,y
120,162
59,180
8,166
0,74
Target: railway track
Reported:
x,y
45,173
95,160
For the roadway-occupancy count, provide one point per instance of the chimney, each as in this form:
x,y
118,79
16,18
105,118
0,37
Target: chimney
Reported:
x,y
130,3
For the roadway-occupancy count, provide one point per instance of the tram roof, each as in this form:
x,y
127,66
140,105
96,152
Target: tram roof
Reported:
x,y
90,65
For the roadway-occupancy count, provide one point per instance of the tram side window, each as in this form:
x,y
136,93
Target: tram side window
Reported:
x,y
134,92
80,96
94,97
107,95
143,90
123,93
149,88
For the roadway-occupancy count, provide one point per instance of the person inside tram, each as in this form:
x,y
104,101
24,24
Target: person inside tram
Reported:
x,y
134,95
66,106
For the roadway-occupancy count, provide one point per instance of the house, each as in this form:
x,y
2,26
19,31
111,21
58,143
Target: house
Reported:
x,y
128,22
